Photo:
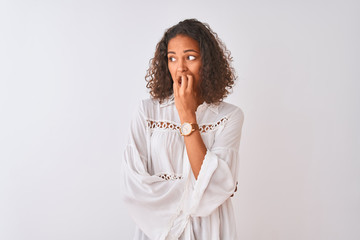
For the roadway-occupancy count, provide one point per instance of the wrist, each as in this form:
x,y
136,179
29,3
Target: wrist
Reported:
x,y
189,118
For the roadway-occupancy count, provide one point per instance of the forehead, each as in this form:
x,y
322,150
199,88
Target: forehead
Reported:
x,y
182,42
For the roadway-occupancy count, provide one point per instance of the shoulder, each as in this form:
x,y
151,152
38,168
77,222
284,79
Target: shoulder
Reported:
x,y
147,104
230,110
153,109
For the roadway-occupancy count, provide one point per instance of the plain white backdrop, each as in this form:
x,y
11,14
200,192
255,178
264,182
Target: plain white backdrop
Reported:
x,y
72,74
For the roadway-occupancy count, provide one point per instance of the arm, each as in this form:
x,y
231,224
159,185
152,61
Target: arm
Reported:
x,y
186,103
153,203
219,172
215,169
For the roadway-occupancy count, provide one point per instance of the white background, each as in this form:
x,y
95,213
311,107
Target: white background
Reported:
x,y
72,74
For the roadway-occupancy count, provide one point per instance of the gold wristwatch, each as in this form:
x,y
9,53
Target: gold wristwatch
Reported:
x,y
187,128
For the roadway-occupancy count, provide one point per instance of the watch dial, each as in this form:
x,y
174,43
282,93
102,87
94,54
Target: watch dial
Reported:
x,y
186,129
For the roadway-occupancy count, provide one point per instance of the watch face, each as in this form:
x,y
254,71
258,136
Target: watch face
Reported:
x,y
186,128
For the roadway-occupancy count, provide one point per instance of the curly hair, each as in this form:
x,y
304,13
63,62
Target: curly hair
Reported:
x,y
216,73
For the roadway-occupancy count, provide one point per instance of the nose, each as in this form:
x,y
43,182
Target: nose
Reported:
x,y
181,67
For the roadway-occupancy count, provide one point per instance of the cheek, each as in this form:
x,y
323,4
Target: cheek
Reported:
x,y
196,71
171,70
198,66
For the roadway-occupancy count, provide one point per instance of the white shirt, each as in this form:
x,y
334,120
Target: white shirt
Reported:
x,y
160,191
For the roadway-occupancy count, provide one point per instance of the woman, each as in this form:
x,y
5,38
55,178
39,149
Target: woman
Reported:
x,y
181,162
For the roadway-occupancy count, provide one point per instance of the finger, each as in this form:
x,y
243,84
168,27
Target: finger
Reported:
x,y
175,89
176,86
184,83
190,83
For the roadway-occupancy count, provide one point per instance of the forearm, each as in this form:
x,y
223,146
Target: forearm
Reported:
x,y
187,101
195,147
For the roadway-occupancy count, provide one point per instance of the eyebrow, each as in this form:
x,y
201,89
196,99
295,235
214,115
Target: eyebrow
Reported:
x,y
190,50
185,51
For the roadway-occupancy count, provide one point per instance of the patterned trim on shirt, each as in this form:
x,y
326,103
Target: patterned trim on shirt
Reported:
x,y
151,124
169,176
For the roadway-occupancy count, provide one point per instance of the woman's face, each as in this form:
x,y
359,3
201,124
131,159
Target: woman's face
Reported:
x,y
184,59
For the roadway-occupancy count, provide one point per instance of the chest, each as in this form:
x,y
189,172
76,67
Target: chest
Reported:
x,y
166,146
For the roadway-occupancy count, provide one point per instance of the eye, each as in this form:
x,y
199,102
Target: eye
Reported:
x,y
171,59
191,57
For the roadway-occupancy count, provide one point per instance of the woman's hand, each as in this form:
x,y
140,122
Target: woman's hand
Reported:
x,y
186,99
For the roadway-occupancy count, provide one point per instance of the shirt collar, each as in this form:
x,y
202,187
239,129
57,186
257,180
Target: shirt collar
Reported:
x,y
171,100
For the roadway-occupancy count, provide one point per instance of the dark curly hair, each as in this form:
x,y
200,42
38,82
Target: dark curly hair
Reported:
x,y
216,73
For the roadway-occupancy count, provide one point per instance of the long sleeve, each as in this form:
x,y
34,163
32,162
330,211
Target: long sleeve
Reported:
x,y
218,174
164,199
153,202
